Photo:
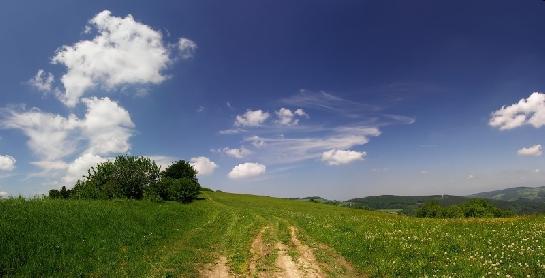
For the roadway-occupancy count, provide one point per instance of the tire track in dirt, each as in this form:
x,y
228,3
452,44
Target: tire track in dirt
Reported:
x,y
219,269
266,246
306,261
259,251
286,265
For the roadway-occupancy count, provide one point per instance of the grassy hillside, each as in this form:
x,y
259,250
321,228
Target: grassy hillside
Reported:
x,y
408,204
514,194
252,234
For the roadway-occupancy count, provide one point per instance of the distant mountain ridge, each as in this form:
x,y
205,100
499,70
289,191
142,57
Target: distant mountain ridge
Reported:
x,y
520,200
536,194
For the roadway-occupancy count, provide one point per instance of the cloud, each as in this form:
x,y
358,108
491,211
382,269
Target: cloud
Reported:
x,y
252,118
284,150
256,141
123,52
107,125
42,81
4,195
231,131
535,150
329,102
339,157
104,130
203,165
79,167
163,161
186,48
236,153
247,170
289,118
7,163
50,136
529,111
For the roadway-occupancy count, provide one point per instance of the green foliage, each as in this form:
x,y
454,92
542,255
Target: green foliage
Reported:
x,y
180,170
55,194
472,208
133,177
125,177
183,190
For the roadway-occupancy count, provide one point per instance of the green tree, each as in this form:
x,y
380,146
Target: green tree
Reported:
x,y
125,177
182,190
430,209
180,170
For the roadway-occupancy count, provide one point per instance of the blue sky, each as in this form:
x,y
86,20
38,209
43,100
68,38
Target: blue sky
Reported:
x,y
285,98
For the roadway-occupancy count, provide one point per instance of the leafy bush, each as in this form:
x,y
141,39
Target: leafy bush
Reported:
x,y
183,190
135,178
180,170
125,177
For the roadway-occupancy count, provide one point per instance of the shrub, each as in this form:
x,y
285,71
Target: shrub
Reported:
x,y
180,170
125,177
183,190
54,194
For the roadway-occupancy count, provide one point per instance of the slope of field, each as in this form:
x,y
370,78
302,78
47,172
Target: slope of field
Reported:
x,y
230,235
409,204
516,193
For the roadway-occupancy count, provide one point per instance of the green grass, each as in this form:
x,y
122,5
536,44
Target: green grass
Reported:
x,y
137,238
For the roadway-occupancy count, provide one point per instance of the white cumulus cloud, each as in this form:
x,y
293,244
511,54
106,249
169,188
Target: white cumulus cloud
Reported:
x,y
107,125
203,165
535,150
104,130
123,52
339,157
78,168
50,136
7,163
3,195
252,118
289,118
528,111
247,170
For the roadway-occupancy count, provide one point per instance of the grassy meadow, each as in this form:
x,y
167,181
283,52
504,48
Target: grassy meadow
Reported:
x,y
140,238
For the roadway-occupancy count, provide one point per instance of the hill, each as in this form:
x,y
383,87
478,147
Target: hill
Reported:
x,y
245,235
520,200
536,194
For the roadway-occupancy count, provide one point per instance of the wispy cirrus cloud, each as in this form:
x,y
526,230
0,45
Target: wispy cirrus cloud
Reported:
x,y
328,102
287,140
283,150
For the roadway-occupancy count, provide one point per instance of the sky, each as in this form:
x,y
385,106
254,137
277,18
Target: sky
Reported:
x,y
339,99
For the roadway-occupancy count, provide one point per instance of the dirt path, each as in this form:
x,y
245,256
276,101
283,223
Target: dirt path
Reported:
x,y
286,265
306,261
219,269
270,257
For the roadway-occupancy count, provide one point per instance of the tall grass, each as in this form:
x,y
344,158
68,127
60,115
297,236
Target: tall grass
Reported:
x,y
106,238
142,239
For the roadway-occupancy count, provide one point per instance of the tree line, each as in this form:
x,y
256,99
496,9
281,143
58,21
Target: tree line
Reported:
x,y
132,177
471,208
